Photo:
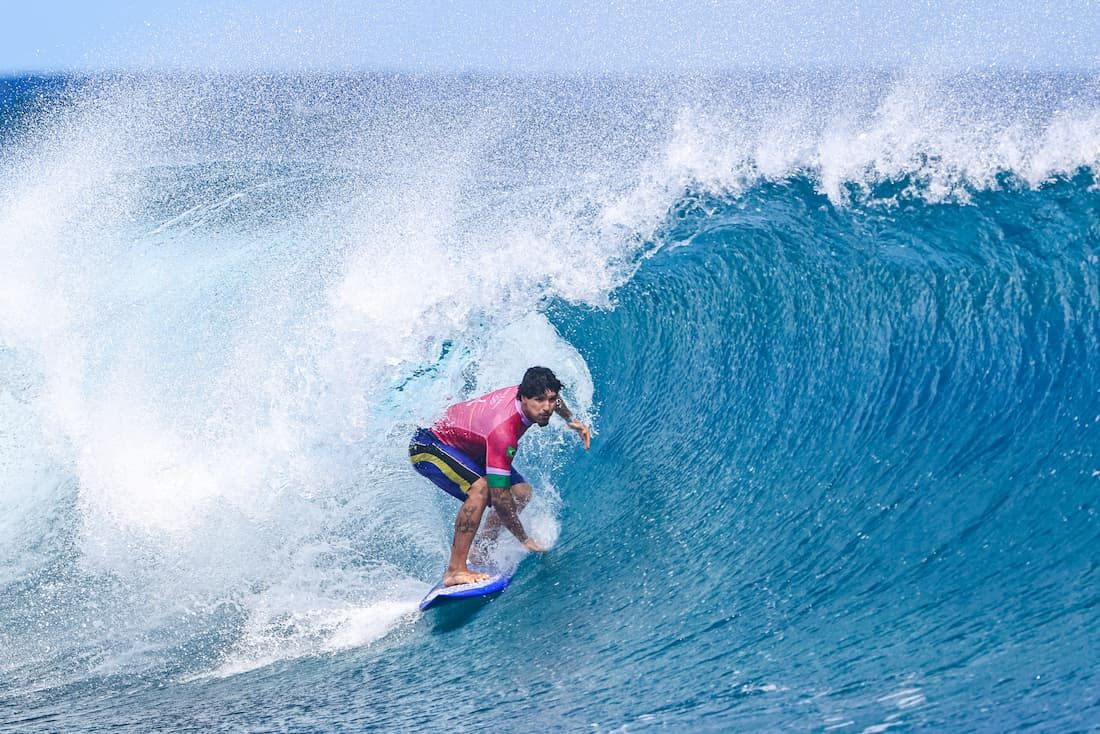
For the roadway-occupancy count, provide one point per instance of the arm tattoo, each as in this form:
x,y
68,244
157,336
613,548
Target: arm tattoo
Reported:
x,y
563,410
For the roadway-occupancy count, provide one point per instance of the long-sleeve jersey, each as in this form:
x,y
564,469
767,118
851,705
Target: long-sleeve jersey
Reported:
x,y
487,429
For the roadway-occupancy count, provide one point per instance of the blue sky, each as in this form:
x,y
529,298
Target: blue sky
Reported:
x,y
559,37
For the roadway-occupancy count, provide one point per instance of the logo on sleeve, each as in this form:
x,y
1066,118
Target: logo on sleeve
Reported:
x,y
511,451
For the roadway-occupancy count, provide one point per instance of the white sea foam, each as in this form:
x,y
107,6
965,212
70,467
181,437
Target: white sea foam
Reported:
x,y
945,136
221,422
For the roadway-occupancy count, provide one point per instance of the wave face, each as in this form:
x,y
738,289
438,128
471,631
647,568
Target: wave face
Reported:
x,y
837,336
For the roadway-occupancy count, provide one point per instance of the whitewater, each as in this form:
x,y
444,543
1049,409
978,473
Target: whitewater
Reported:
x,y
837,334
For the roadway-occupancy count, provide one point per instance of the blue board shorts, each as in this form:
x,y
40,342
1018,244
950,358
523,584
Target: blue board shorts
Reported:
x,y
450,469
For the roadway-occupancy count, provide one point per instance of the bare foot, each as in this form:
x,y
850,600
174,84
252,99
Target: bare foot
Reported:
x,y
454,578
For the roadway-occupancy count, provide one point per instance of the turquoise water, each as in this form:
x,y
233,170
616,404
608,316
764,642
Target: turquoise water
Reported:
x,y
837,336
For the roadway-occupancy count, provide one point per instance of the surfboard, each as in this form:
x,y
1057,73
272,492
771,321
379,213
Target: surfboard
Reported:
x,y
498,581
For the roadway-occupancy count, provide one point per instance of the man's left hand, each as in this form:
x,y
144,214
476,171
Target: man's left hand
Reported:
x,y
582,430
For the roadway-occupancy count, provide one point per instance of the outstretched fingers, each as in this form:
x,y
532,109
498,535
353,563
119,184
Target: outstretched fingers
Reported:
x,y
584,432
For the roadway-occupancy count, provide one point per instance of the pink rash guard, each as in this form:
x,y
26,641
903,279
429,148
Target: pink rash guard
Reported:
x,y
487,429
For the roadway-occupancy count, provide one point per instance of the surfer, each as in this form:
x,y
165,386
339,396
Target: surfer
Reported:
x,y
468,453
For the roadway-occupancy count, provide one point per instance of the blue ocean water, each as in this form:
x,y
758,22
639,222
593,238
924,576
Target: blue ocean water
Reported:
x,y
837,334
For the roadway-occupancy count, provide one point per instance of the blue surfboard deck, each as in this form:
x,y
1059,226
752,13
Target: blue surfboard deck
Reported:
x,y
497,582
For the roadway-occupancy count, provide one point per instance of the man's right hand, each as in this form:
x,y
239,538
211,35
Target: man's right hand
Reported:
x,y
532,546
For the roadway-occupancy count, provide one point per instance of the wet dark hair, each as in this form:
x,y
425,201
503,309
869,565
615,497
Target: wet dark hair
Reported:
x,y
536,381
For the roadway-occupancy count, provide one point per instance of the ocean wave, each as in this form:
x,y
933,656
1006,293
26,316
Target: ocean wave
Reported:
x,y
836,333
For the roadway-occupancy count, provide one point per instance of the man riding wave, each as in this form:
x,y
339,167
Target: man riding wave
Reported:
x,y
468,453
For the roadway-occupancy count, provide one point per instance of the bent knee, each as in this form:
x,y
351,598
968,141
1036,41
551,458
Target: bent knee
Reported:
x,y
479,491
521,491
